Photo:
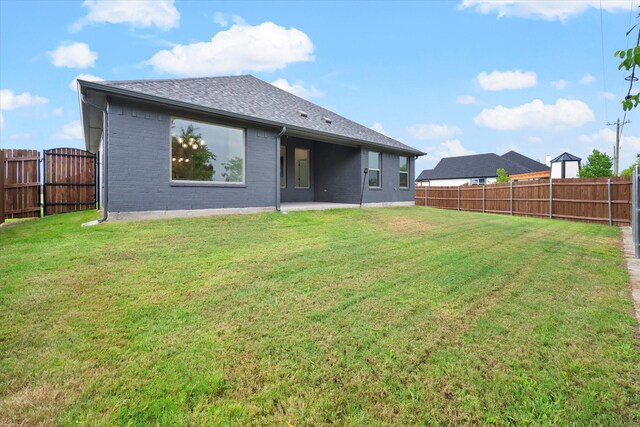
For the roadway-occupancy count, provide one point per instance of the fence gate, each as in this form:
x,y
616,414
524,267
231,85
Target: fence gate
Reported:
x,y
70,180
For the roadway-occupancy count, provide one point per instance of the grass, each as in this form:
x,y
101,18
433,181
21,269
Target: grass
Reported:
x,y
359,317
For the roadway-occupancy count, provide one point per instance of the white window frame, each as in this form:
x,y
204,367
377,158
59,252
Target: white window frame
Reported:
x,y
373,169
211,183
405,172
295,159
477,181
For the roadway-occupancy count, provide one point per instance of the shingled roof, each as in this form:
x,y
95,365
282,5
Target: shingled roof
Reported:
x,y
249,98
481,166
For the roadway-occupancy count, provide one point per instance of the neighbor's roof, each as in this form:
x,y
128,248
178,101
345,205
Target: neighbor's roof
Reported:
x,y
248,98
481,166
566,157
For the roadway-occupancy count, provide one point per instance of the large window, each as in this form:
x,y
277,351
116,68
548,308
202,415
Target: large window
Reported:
x,y
283,166
206,152
375,162
404,172
301,168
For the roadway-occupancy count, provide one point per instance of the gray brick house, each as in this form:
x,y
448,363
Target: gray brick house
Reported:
x,y
181,146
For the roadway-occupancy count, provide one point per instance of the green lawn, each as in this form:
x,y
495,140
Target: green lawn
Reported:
x,y
361,317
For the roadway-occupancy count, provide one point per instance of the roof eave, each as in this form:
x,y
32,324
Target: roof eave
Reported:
x,y
185,105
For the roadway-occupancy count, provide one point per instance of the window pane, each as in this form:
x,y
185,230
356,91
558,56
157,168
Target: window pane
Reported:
x,y
283,166
404,179
374,160
206,152
374,178
404,162
301,168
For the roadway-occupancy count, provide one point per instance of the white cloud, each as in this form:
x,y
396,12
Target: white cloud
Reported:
x,y
534,140
72,130
501,80
137,13
9,100
20,135
449,148
546,10
1,120
608,96
220,19
57,112
466,100
565,113
241,48
297,88
425,131
73,85
605,139
377,126
559,84
587,79
73,55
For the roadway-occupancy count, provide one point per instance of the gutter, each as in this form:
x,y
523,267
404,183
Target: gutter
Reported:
x,y
105,139
193,107
284,129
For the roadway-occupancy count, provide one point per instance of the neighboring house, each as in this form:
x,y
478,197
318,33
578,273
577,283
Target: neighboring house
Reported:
x,y
233,142
477,169
566,165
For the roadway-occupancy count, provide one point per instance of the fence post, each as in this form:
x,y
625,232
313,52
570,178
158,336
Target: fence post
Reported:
x,y
609,199
550,197
482,197
458,197
1,186
510,197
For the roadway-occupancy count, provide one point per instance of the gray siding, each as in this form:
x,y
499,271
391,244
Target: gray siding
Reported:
x,y
338,173
390,190
140,160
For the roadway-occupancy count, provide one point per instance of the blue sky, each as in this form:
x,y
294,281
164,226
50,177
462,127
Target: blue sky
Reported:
x,y
446,77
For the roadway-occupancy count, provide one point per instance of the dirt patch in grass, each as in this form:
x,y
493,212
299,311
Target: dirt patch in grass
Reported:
x,y
405,225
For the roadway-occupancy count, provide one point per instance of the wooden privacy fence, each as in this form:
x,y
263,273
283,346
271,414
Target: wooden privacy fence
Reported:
x,y
19,184
602,200
70,182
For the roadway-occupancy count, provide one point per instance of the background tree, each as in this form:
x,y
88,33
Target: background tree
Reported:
x,y
233,170
190,156
629,171
503,176
597,164
630,59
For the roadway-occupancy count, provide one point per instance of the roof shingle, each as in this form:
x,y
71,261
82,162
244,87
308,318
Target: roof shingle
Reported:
x,y
250,97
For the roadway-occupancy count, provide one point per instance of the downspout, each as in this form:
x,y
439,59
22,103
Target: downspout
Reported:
x,y
284,129
105,166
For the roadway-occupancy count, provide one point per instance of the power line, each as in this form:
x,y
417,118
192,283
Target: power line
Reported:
x,y
604,77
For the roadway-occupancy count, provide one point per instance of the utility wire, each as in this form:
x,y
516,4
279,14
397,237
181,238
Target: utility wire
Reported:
x,y
604,77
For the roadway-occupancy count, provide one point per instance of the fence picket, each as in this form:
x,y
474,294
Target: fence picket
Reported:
x,y
601,200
